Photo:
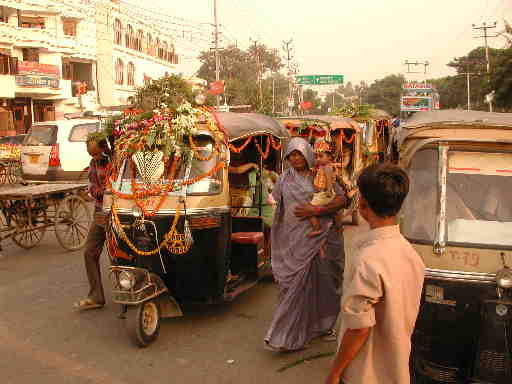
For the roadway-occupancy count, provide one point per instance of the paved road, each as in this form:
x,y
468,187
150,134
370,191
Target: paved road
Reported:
x,y
43,341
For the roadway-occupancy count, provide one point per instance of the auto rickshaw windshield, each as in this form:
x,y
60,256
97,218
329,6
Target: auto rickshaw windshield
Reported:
x,y
190,167
478,207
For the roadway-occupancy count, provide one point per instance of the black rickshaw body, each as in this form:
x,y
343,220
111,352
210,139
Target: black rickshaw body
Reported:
x,y
458,216
198,247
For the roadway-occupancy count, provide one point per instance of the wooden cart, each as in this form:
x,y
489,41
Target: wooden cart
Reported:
x,y
27,212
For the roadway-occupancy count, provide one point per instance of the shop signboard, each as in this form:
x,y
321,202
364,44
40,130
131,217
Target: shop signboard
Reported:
x,y
416,103
417,86
33,68
37,75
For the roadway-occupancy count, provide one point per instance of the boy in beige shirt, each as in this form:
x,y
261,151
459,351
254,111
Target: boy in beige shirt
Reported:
x,y
382,288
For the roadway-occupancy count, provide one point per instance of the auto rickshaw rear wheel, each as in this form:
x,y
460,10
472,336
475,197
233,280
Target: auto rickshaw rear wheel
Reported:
x,y
143,323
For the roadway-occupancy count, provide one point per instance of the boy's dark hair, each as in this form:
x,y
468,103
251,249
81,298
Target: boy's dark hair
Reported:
x,y
384,187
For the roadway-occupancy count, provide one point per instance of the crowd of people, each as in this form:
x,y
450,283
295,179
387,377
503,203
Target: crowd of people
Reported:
x,y
376,298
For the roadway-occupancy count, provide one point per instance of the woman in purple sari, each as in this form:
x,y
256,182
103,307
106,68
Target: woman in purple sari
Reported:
x,y
309,294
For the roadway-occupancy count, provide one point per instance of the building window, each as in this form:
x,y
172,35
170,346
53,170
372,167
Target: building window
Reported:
x,y
131,74
31,54
31,22
149,44
119,72
164,51
128,37
67,71
4,64
157,47
170,54
69,27
140,40
118,32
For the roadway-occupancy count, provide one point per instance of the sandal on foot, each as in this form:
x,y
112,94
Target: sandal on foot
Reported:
x,y
85,304
330,335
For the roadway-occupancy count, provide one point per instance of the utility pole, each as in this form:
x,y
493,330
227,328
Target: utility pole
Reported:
x,y
217,63
258,71
287,48
415,63
484,27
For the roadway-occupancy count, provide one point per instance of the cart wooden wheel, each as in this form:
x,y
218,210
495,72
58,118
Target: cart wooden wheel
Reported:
x,y
4,174
143,323
12,173
28,235
72,222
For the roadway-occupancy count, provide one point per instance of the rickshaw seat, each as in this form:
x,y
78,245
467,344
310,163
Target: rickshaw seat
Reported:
x,y
247,237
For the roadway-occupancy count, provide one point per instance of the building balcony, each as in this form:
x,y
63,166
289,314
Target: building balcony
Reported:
x,y
32,37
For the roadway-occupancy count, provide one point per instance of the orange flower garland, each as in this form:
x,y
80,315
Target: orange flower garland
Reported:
x,y
242,147
277,146
267,151
348,141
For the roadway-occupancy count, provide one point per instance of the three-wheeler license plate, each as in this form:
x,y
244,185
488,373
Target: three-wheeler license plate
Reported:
x,y
33,159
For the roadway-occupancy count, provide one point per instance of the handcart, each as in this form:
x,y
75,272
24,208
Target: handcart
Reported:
x,y
27,212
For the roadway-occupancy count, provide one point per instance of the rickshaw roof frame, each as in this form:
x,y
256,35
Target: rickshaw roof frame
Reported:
x,y
420,144
332,122
242,125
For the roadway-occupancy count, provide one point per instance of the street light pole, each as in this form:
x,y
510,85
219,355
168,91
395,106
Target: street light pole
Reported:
x,y
217,64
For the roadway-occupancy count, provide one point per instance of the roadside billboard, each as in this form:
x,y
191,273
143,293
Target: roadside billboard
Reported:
x,y
415,103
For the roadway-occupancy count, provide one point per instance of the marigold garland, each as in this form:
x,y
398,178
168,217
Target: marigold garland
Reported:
x,y
242,147
265,154
132,246
348,141
277,146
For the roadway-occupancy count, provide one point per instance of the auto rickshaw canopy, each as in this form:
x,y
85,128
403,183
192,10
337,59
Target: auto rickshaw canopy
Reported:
x,y
452,125
242,125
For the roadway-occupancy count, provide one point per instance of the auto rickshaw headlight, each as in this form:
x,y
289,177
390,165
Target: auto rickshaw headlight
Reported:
x,y
136,211
126,280
504,278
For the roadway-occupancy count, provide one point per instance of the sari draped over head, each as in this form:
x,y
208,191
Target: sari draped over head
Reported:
x,y
309,299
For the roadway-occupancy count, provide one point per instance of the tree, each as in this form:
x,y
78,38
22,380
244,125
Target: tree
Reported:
x,y
239,70
169,90
385,93
312,96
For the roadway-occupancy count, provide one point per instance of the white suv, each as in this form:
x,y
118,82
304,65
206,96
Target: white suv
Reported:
x,y
56,151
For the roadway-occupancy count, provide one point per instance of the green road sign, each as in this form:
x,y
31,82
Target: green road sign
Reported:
x,y
319,79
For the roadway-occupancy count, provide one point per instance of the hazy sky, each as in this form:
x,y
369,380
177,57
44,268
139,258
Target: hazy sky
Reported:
x,y
361,39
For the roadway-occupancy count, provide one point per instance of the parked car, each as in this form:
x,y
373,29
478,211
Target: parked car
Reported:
x,y
55,150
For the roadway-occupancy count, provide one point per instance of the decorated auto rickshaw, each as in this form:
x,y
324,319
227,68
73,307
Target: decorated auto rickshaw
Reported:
x,y
376,127
347,136
458,216
174,234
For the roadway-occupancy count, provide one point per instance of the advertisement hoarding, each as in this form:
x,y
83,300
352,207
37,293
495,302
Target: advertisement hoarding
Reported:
x,y
415,103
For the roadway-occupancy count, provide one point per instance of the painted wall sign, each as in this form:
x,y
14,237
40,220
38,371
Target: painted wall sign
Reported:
x,y
34,68
34,81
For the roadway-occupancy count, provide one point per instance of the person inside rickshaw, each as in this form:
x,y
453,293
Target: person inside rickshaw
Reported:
x,y
241,164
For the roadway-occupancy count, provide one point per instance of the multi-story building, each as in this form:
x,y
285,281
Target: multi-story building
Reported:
x,y
49,48
43,50
131,49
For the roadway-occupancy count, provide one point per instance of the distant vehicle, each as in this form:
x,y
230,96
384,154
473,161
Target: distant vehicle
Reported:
x,y
55,150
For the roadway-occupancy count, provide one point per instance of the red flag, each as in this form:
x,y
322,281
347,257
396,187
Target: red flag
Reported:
x,y
306,105
217,87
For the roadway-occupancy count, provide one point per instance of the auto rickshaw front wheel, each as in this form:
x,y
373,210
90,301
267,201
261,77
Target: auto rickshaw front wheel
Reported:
x,y
143,323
